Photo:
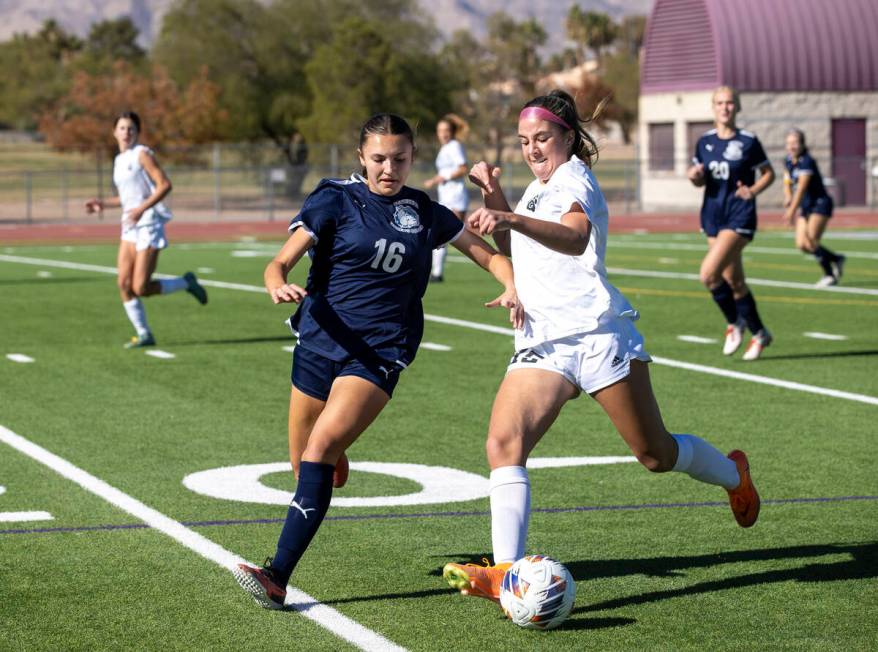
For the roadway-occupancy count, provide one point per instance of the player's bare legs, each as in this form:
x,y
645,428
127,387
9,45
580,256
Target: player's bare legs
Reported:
x,y
304,412
526,405
723,262
631,406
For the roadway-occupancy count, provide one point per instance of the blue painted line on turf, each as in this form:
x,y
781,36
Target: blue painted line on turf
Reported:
x,y
372,517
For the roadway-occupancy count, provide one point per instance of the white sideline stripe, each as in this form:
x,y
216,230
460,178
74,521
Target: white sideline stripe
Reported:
x,y
435,347
289,348
622,271
326,617
776,382
825,336
19,357
508,331
20,517
696,339
158,353
790,251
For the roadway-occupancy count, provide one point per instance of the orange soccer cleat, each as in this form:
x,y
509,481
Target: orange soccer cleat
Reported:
x,y
480,581
743,500
261,585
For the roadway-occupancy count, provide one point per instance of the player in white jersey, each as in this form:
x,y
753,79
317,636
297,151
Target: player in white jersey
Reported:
x,y
141,184
578,336
449,181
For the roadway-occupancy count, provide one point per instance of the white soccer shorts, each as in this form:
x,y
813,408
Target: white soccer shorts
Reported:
x,y
145,236
591,361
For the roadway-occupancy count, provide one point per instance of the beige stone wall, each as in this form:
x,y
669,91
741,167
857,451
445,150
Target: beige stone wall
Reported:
x,y
769,116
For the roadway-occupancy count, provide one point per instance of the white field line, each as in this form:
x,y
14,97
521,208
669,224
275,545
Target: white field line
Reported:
x,y
622,271
19,357
696,339
327,617
508,331
163,355
825,336
20,517
435,347
679,246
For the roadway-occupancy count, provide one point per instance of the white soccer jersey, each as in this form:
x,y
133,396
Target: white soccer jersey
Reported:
x,y
135,186
452,193
562,294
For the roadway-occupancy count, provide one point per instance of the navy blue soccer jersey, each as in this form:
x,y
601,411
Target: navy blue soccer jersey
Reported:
x,y
370,266
805,165
727,162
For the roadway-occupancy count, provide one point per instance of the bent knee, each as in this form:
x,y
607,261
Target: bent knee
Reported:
x,y
710,279
139,289
504,450
655,463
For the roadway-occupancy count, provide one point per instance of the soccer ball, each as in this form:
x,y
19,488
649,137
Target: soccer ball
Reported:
x,y
537,592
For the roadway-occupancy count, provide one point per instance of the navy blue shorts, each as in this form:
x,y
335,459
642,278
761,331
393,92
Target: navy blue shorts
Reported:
x,y
741,222
313,374
820,206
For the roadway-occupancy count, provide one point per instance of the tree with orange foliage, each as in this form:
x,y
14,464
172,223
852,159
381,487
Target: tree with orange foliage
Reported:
x,y
82,120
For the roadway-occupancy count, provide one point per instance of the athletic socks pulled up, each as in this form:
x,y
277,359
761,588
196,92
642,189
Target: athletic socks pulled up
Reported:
x,y
703,462
747,309
722,295
825,257
136,315
510,512
304,516
170,285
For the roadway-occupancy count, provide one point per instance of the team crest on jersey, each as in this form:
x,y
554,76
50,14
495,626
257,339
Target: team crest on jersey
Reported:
x,y
734,151
534,202
405,216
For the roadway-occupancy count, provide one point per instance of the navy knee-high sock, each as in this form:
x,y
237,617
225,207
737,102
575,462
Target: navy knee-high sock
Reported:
x,y
825,258
722,294
747,310
306,512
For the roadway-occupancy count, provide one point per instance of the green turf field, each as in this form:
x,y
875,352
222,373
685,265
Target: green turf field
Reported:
x,y
659,561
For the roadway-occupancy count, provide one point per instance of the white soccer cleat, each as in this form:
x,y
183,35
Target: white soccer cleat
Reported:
x,y
826,282
757,344
734,337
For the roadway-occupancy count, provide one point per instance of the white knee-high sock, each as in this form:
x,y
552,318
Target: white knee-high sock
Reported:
x,y
439,261
136,315
510,511
704,462
173,284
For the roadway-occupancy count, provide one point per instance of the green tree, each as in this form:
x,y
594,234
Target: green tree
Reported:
x,y
631,32
594,30
36,72
360,72
109,41
622,73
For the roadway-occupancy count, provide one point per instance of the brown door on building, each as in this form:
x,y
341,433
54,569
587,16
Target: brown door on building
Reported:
x,y
849,158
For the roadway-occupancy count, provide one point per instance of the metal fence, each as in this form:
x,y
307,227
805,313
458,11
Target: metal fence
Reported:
x,y
257,182
241,182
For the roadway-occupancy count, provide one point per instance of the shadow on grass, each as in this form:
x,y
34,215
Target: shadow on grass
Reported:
x,y
837,354
862,565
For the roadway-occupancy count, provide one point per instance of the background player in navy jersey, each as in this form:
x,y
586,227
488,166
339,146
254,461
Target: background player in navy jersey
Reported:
x,y
804,189
725,163
360,320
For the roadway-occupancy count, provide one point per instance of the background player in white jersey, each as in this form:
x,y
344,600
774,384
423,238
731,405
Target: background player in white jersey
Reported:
x,y
141,184
450,177
725,162
578,336
803,189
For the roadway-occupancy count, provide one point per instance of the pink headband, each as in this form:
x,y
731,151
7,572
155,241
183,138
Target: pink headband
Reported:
x,y
540,113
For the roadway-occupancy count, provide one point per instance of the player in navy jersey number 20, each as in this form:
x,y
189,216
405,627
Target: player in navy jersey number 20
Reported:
x,y
804,189
359,323
725,163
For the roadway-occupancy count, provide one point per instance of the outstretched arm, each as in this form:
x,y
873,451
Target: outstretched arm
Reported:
x,y
277,270
569,237
499,266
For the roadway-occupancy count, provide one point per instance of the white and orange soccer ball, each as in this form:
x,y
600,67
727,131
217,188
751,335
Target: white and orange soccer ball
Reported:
x,y
538,592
